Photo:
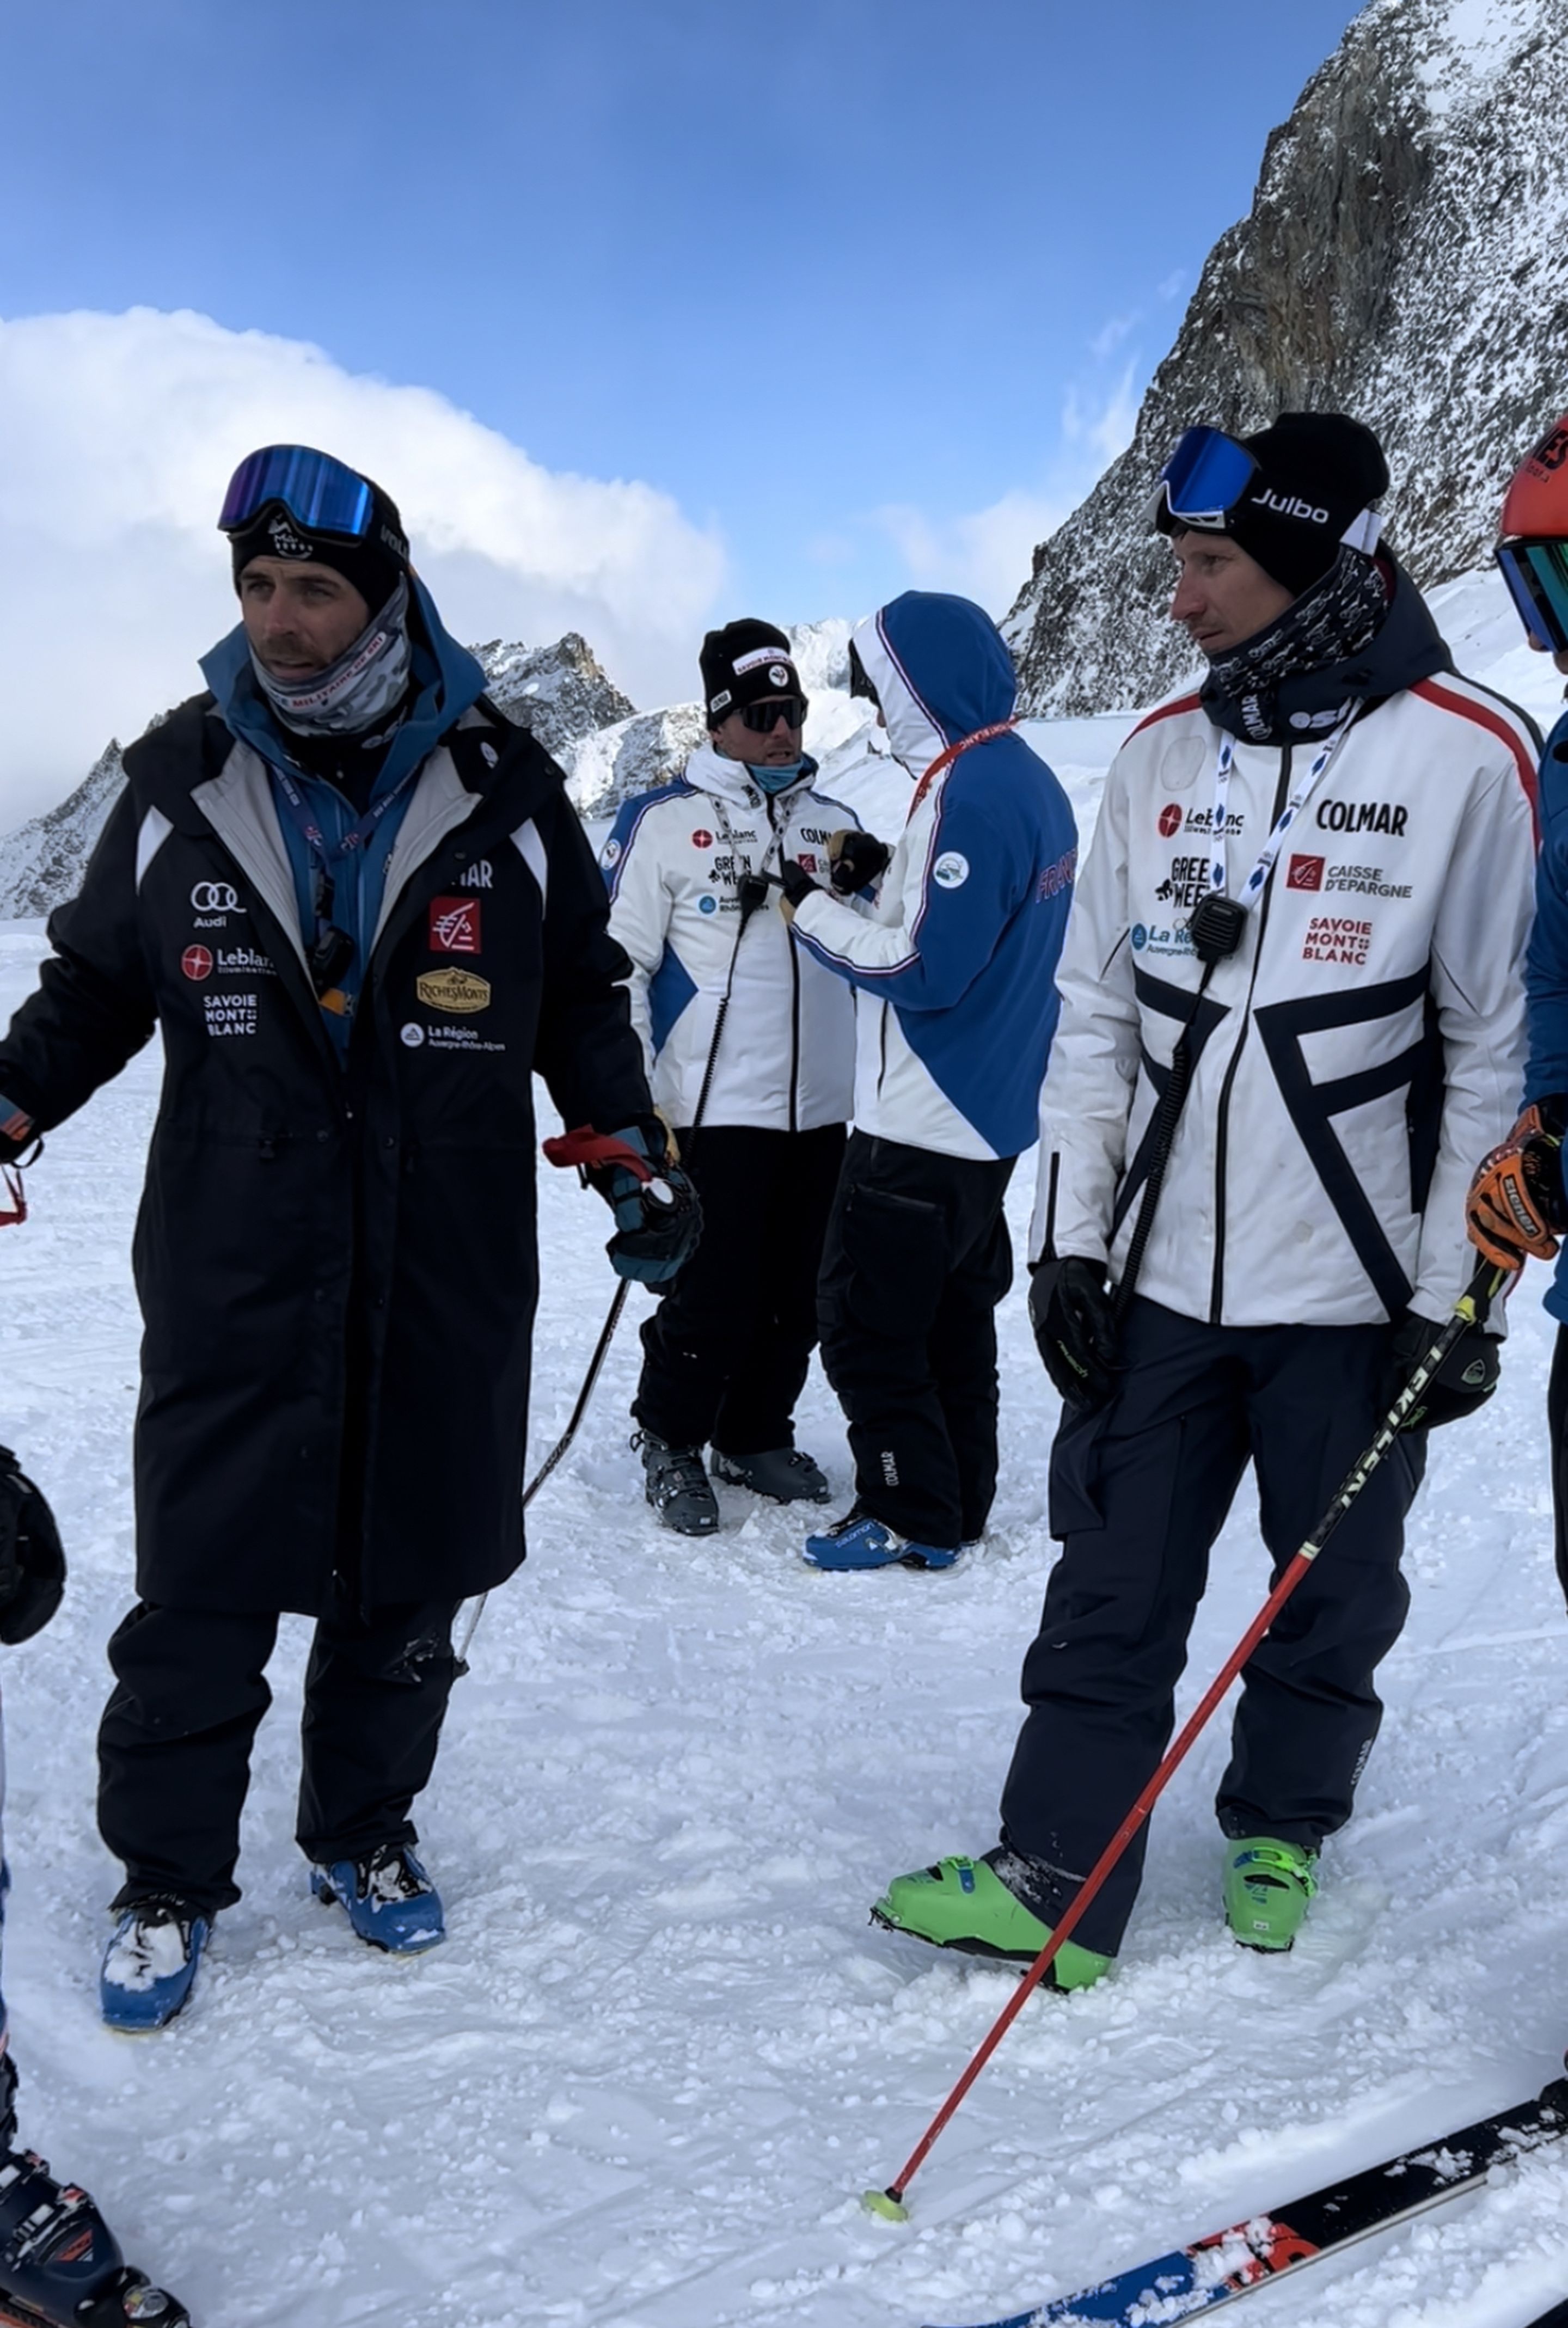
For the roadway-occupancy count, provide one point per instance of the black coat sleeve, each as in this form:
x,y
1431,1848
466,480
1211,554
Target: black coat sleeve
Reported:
x,y
93,1006
587,1051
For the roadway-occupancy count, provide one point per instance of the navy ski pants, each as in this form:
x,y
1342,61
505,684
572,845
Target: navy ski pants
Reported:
x,y
1139,1491
174,1743
917,1257
727,1350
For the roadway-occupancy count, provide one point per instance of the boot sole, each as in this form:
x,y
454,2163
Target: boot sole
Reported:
x,y
965,1947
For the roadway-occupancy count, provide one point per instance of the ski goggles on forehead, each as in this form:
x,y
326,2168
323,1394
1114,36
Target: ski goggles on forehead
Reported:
x,y
762,719
1203,479
321,495
1536,574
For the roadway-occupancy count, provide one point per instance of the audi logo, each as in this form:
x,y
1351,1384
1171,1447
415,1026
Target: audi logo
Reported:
x,y
214,897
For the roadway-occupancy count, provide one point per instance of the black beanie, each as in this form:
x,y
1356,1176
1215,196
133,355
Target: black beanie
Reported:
x,y
742,663
1317,471
375,565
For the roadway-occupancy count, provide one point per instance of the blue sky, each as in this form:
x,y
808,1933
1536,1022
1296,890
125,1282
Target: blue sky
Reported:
x,y
864,289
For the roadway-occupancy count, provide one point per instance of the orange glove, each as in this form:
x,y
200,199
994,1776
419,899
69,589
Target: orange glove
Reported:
x,y
1516,1204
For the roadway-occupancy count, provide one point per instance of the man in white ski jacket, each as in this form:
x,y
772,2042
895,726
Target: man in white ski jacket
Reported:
x,y
954,969
1301,924
750,1050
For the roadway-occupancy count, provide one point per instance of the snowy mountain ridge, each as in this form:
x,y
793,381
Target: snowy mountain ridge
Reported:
x,y
610,750
1406,259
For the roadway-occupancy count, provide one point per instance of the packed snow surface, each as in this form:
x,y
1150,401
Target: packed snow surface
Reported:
x,y
662,2051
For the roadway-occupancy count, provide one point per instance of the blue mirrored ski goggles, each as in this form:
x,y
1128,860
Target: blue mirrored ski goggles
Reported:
x,y
1203,479
1536,574
321,495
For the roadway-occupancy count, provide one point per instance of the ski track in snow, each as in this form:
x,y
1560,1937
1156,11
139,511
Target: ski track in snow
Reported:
x,y
662,2051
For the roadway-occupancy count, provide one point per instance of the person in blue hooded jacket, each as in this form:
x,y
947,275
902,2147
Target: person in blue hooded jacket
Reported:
x,y
360,908
954,968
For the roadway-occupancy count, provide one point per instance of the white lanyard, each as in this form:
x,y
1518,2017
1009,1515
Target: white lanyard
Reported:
x,y
1261,871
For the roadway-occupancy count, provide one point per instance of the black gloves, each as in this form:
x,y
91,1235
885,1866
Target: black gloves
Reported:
x,y
32,1558
1465,1381
658,1219
856,859
1075,1326
796,882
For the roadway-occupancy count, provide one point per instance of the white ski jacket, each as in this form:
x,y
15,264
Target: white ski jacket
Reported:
x,y
1353,1058
673,861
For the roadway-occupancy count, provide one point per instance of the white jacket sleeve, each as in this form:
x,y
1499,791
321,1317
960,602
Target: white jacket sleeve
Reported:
x,y
640,904
1477,982
1086,1101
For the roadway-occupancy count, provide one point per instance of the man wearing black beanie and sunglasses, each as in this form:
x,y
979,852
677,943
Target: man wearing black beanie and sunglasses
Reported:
x,y
357,904
750,1049
1292,1018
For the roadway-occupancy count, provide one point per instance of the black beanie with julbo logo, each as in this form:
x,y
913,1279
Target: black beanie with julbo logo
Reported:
x,y
1317,471
741,664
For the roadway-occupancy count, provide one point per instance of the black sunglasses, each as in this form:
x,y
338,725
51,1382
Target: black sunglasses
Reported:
x,y
762,719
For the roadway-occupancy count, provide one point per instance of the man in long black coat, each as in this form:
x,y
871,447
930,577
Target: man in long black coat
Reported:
x,y
363,913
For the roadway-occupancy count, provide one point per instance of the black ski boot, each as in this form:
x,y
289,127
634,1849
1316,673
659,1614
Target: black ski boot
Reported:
x,y
784,1474
677,1486
60,2266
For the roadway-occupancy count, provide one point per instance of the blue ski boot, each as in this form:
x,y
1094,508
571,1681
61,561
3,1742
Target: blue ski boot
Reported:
x,y
858,1540
149,1967
60,2266
389,1900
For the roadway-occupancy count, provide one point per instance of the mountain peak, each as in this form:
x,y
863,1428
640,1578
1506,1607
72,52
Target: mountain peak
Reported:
x,y
1406,259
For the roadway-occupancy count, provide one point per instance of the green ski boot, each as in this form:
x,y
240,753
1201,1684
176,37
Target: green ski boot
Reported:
x,y
1267,1887
964,1903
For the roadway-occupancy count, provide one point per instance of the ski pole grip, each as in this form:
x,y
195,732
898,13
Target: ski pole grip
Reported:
x,y
587,1148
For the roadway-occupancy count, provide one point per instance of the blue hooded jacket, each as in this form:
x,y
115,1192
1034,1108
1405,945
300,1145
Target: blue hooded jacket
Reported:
x,y
963,950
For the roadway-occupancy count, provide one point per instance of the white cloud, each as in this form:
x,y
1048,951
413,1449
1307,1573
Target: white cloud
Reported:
x,y
985,554
118,436
1110,334
1102,426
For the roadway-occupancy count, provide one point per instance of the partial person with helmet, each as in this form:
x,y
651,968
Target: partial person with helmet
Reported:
x,y
750,1052
1292,1016
356,902
60,2266
1518,1208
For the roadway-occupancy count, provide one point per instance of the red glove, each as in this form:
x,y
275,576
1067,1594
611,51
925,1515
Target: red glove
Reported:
x,y
1516,1204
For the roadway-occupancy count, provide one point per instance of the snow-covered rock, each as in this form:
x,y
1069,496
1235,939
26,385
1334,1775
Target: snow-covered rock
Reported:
x,y
560,692
42,861
1406,259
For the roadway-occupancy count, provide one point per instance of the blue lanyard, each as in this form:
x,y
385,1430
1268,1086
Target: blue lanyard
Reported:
x,y
329,854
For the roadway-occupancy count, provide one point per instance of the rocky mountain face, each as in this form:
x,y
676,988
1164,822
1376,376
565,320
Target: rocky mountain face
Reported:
x,y
608,750
560,692
42,861
1406,259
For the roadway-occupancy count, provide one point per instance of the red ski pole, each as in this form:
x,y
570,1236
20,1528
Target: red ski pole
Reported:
x,y
1465,1312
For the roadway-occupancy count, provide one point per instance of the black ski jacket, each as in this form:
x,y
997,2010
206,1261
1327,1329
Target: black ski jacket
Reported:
x,y
337,1270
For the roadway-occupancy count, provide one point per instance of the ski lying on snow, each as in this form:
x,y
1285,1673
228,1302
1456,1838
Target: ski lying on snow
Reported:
x,y
1189,2280
1556,2318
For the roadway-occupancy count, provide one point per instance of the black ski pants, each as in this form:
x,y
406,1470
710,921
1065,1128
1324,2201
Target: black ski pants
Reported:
x,y
727,1350
917,1258
1139,1492
174,1742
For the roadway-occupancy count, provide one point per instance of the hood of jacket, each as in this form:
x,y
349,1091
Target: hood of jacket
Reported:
x,y
941,670
1407,646
446,681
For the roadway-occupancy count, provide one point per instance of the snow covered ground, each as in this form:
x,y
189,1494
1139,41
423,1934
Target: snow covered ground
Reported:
x,y
662,2051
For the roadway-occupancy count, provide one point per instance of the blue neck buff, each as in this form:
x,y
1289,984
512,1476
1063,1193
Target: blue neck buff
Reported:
x,y
776,780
